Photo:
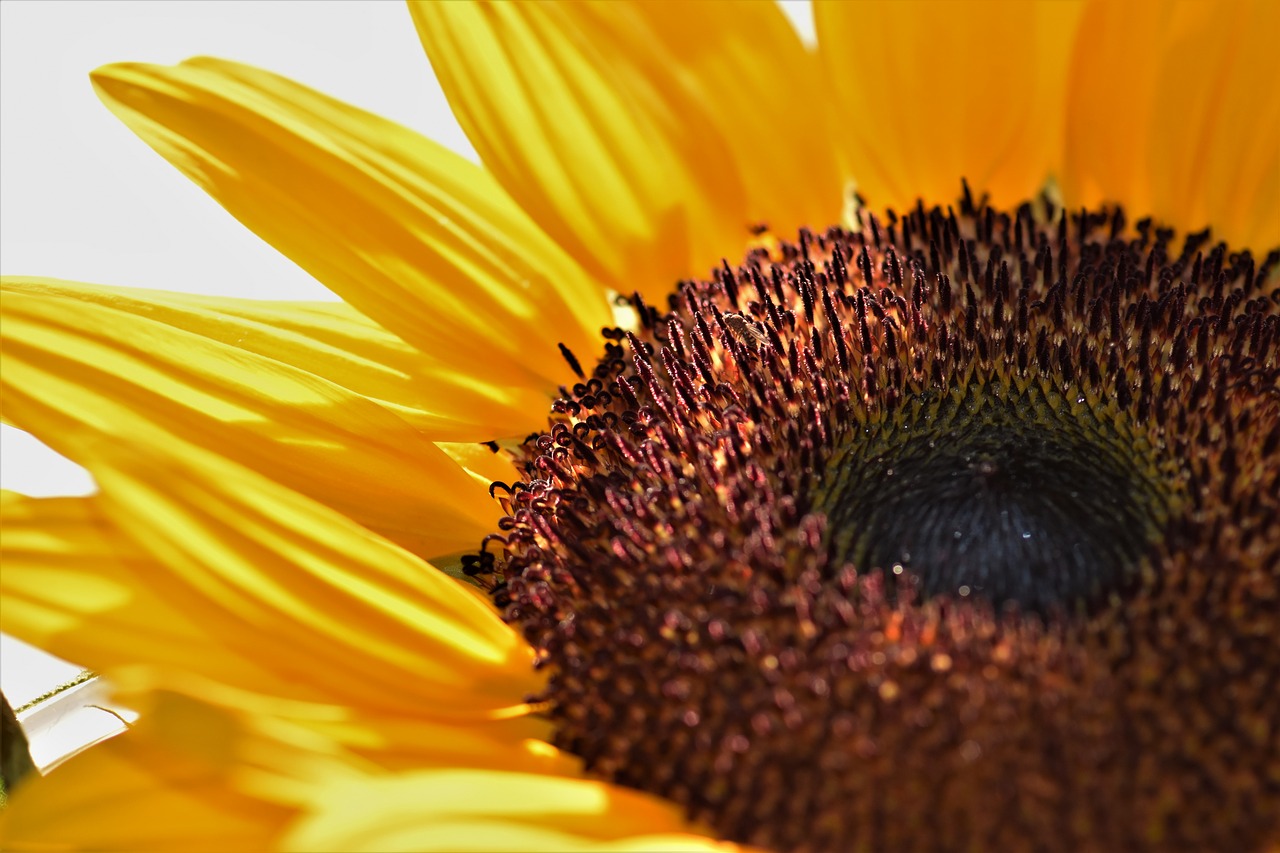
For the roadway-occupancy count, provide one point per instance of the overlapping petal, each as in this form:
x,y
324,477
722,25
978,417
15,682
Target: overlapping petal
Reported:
x,y
928,92
463,810
289,598
336,611
80,365
330,340
156,787
74,586
760,87
420,240
1181,121
609,151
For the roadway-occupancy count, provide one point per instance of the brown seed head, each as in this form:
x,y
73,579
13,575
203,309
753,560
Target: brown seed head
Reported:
x,y
960,531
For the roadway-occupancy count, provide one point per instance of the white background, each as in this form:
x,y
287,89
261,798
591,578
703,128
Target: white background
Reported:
x,y
82,198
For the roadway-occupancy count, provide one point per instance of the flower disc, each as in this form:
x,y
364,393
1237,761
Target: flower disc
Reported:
x,y
952,531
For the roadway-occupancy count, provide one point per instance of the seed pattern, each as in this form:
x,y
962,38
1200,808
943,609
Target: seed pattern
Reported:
x,y
697,549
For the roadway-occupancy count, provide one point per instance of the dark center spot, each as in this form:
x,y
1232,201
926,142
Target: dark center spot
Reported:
x,y
1012,498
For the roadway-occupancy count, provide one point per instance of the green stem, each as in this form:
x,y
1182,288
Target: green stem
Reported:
x,y
15,753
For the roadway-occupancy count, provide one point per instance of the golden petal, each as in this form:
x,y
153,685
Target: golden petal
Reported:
x,y
480,461
335,342
1183,122
410,234
171,783
330,608
468,810
610,152
77,584
761,87
76,371
929,92
366,738
74,586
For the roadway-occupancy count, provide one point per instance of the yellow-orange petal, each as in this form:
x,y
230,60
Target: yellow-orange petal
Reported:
x,y
465,810
615,158
74,586
75,371
417,238
79,583
1182,123
481,462
335,342
928,92
174,782
333,610
362,736
761,88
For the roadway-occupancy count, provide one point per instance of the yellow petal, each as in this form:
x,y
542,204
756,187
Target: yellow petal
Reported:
x,y
408,233
173,782
83,579
462,810
1182,123
607,150
929,92
333,610
483,462
76,370
335,342
363,737
762,90
75,587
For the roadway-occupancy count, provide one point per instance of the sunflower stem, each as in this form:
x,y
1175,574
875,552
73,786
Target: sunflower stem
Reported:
x,y
15,752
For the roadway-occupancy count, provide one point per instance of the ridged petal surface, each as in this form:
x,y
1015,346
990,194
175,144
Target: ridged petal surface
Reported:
x,y
758,84
158,787
1174,112
330,606
410,234
462,810
75,586
608,150
260,587
78,369
928,92
334,342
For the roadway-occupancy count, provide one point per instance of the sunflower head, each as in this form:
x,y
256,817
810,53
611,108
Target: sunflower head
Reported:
x,y
892,530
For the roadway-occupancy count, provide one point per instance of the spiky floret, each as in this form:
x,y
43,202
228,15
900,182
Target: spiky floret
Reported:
x,y
735,547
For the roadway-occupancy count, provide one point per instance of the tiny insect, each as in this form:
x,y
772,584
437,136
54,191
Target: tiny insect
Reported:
x,y
745,329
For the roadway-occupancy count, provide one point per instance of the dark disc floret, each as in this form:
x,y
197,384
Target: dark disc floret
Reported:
x,y
957,531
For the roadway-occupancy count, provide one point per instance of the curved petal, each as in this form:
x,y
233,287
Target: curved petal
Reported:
x,y
463,810
76,370
334,342
408,233
334,611
930,92
74,586
605,148
487,464
79,581
173,782
761,88
363,738
1182,123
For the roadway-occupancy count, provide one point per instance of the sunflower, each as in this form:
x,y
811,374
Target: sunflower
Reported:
x,y
950,525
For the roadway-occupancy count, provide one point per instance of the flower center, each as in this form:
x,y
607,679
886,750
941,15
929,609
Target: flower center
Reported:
x,y
923,535
1015,496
